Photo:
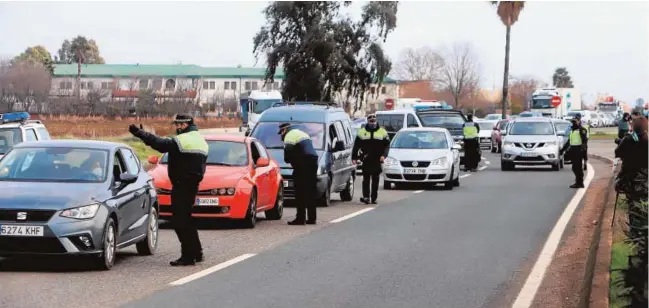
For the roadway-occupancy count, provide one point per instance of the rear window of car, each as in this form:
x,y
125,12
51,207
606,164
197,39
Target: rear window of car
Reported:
x,y
391,122
446,120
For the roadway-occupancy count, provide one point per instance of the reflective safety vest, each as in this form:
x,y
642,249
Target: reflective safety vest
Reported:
x,y
295,136
379,134
470,131
192,142
587,130
575,137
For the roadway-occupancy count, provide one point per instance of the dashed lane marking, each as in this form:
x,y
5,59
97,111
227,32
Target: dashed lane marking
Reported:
x,y
417,191
348,216
464,175
212,269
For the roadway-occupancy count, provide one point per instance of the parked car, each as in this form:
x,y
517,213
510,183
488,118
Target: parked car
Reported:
x,y
331,134
563,131
497,132
73,197
16,127
531,141
484,136
422,155
452,120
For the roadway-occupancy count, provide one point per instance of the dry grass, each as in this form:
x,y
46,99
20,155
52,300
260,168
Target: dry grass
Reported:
x,y
101,127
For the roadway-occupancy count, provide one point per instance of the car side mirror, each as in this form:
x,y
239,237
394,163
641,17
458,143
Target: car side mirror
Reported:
x,y
247,133
153,159
262,162
339,146
127,178
456,147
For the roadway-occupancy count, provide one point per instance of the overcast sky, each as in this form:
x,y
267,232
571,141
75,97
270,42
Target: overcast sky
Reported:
x,y
604,45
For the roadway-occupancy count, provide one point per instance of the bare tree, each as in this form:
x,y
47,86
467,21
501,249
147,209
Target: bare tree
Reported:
x,y
23,85
419,64
460,75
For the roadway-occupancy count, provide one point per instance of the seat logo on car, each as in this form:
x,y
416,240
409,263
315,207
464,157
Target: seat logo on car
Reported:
x,y
415,164
21,216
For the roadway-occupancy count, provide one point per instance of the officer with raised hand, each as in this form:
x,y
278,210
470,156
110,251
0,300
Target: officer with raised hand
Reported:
x,y
187,159
577,141
373,142
299,152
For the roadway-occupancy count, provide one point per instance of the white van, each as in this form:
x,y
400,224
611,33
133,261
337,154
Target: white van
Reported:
x,y
396,120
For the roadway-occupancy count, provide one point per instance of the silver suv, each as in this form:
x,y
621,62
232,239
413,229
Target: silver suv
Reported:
x,y
16,127
531,141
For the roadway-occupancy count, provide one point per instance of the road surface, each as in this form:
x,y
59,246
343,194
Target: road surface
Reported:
x,y
417,248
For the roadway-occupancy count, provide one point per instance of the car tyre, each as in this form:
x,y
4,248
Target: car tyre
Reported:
x,y
325,199
149,245
456,182
277,211
448,185
556,167
506,166
387,185
347,194
106,259
251,214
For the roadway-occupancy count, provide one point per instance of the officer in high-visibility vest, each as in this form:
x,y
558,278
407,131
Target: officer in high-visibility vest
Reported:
x,y
373,141
186,167
471,144
587,127
577,141
299,152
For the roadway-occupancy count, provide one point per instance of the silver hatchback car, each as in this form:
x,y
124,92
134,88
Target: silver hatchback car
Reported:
x,y
531,141
72,197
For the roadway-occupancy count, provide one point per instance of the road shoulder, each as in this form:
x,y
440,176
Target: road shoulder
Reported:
x,y
567,282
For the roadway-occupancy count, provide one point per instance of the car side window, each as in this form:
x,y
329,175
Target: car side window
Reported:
x,y
341,132
412,122
118,166
333,136
30,135
43,134
261,150
254,153
132,164
348,130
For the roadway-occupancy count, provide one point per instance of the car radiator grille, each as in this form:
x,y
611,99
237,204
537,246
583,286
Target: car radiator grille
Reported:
x,y
414,177
32,215
534,158
420,164
31,245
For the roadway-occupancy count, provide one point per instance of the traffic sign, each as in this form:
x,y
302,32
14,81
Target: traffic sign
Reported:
x,y
556,101
389,104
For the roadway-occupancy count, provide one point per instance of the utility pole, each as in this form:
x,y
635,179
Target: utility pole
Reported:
x,y
80,59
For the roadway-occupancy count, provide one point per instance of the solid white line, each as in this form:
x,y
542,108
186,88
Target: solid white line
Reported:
x,y
348,216
212,269
482,168
464,175
417,191
534,280
487,162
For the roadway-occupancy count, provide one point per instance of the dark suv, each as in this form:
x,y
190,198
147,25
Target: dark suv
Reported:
x,y
451,119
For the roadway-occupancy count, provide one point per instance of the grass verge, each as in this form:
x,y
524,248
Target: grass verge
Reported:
x,y
620,252
602,136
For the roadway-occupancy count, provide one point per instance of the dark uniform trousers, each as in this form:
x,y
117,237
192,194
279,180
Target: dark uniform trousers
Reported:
x,y
471,159
576,154
305,180
183,197
371,172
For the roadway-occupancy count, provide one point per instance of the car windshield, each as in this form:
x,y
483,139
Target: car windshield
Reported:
x,y
420,140
531,128
267,134
260,105
54,164
8,138
492,117
562,128
223,153
442,120
486,125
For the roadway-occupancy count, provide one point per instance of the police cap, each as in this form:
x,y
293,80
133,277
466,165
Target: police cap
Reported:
x,y
283,126
183,118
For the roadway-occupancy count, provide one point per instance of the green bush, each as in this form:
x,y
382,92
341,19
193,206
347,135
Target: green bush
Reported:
x,y
635,275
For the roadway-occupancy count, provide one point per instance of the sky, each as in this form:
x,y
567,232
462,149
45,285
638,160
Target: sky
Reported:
x,y
604,45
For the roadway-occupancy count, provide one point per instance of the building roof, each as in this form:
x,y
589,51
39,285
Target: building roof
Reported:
x,y
165,70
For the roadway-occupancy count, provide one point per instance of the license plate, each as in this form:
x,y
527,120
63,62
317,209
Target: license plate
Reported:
x,y
414,171
529,154
17,230
207,201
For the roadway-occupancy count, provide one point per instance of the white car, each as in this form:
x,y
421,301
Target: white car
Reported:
x,y
484,136
422,155
531,141
16,127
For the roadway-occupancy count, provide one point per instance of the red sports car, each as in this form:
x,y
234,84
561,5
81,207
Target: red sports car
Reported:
x,y
240,181
497,133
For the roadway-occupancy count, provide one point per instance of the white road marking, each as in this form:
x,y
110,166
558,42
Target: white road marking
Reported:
x,y
487,162
526,297
464,175
482,168
212,269
348,216
417,191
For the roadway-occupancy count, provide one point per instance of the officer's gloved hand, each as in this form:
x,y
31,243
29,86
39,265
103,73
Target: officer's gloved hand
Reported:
x,y
133,129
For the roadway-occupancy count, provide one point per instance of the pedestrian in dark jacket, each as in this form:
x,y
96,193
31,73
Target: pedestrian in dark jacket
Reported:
x,y
299,152
623,125
633,150
187,156
471,144
373,142
577,141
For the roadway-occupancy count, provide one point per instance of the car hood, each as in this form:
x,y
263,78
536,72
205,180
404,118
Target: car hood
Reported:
x,y
418,155
278,156
530,138
215,176
49,196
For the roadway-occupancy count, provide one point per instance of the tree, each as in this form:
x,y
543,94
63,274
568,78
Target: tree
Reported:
x,y
419,64
79,50
23,85
520,93
323,52
460,74
561,78
37,54
508,12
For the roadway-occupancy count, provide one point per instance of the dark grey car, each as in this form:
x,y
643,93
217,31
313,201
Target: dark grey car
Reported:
x,y
71,197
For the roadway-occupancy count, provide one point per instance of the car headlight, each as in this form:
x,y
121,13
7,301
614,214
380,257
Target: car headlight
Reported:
x,y
508,144
390,161
223,191
439,162
82,212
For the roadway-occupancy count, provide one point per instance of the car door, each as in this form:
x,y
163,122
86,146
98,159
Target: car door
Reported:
x,y
258,176
141,187
126,200
264,175
345,156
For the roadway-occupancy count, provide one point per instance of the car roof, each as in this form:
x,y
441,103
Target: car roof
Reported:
x,y
425,111
226,137
424,129
299,113
71,143
396,111
532,119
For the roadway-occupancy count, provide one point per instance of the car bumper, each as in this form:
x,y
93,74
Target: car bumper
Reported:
x,y
289,186
60,236
538,156
233,207
433,174
485,142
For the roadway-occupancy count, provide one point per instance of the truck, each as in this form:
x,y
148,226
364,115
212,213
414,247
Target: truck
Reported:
x,y
611,106
540,101
254,103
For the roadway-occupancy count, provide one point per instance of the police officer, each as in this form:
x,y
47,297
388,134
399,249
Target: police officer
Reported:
x,y
187,158
299,152
471,144
577,141
587,128
373,141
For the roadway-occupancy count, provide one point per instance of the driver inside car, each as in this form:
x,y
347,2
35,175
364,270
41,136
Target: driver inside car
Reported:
x,y
95,165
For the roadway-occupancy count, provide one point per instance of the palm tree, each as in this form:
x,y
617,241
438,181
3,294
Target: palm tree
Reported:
x,y
508,12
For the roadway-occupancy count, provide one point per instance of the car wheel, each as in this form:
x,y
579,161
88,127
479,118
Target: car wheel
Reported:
x,y
325,199
106,259
251,216
448,185
348,193
556,167
456,182
149,245
277,211
387,185
506,166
